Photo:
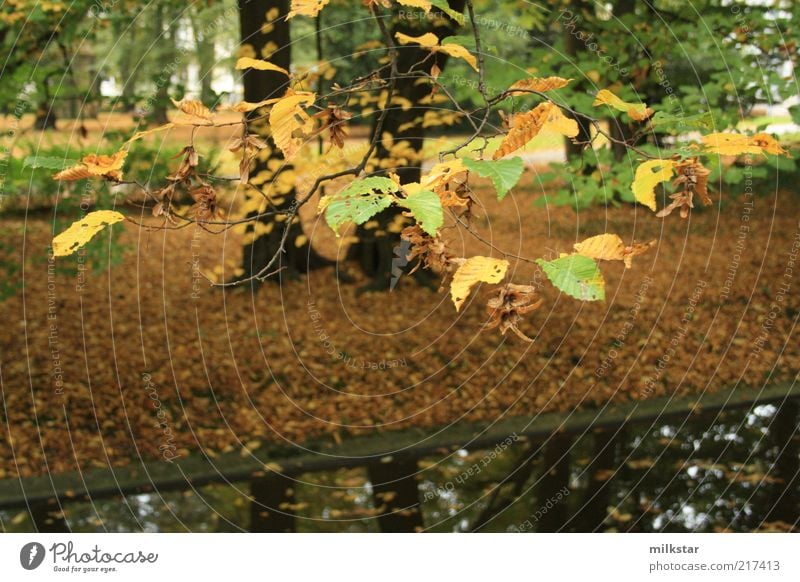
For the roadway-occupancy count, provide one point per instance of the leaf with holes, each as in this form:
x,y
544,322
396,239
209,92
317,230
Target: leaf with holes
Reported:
x,y
504,173
82,231
577,276
648,176
472,271
359,202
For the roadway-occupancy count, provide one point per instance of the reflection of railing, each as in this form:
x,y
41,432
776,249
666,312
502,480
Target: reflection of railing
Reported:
x,y
391,457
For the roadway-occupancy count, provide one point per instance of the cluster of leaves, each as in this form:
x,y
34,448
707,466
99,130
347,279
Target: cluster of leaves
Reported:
x,y
298,115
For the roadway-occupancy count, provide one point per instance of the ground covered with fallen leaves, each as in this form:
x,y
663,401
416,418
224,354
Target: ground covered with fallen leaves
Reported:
x,y
144,357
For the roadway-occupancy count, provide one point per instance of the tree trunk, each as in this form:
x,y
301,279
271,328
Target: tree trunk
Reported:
x,y
45,117
260,247
47,517
555,479
373,251
270,510
593,507
396,495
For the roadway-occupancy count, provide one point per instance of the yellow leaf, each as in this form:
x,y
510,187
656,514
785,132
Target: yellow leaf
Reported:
x,y
82,231
637,111
473,271
259,64
193,108
459,52
606,247
306,8
247,106
431,41
541,85
288,119
141,134
648,176
427,40
528,125
609,247
424,5
734,144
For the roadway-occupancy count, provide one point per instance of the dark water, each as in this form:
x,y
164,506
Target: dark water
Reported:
x,y
733,471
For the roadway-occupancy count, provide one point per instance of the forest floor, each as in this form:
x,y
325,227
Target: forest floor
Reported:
x,y
101,368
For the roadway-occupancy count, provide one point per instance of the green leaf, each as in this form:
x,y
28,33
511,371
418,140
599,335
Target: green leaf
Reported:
x,y
47,162
683,122
577,276
504,173
427,210
360,201
445,7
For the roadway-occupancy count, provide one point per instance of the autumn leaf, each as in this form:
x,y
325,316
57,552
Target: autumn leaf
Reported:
x,y
306,8
610,247
82,231
735,144
526,126
193,108
636,111
427,40
247,106
459,52
95,165
472,271
423,5
290,123
648,175
577,276
431,41
140,134
542,85
259,64
605,247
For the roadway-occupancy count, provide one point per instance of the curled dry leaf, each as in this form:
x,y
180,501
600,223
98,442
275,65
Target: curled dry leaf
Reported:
x,y
508,305
539,84
472,271
610,247
526,126
430,250
94,165
247,106
333,119
205,203
692,178
193,108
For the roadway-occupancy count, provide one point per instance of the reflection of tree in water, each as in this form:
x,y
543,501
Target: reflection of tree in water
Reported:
x,y
716,472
